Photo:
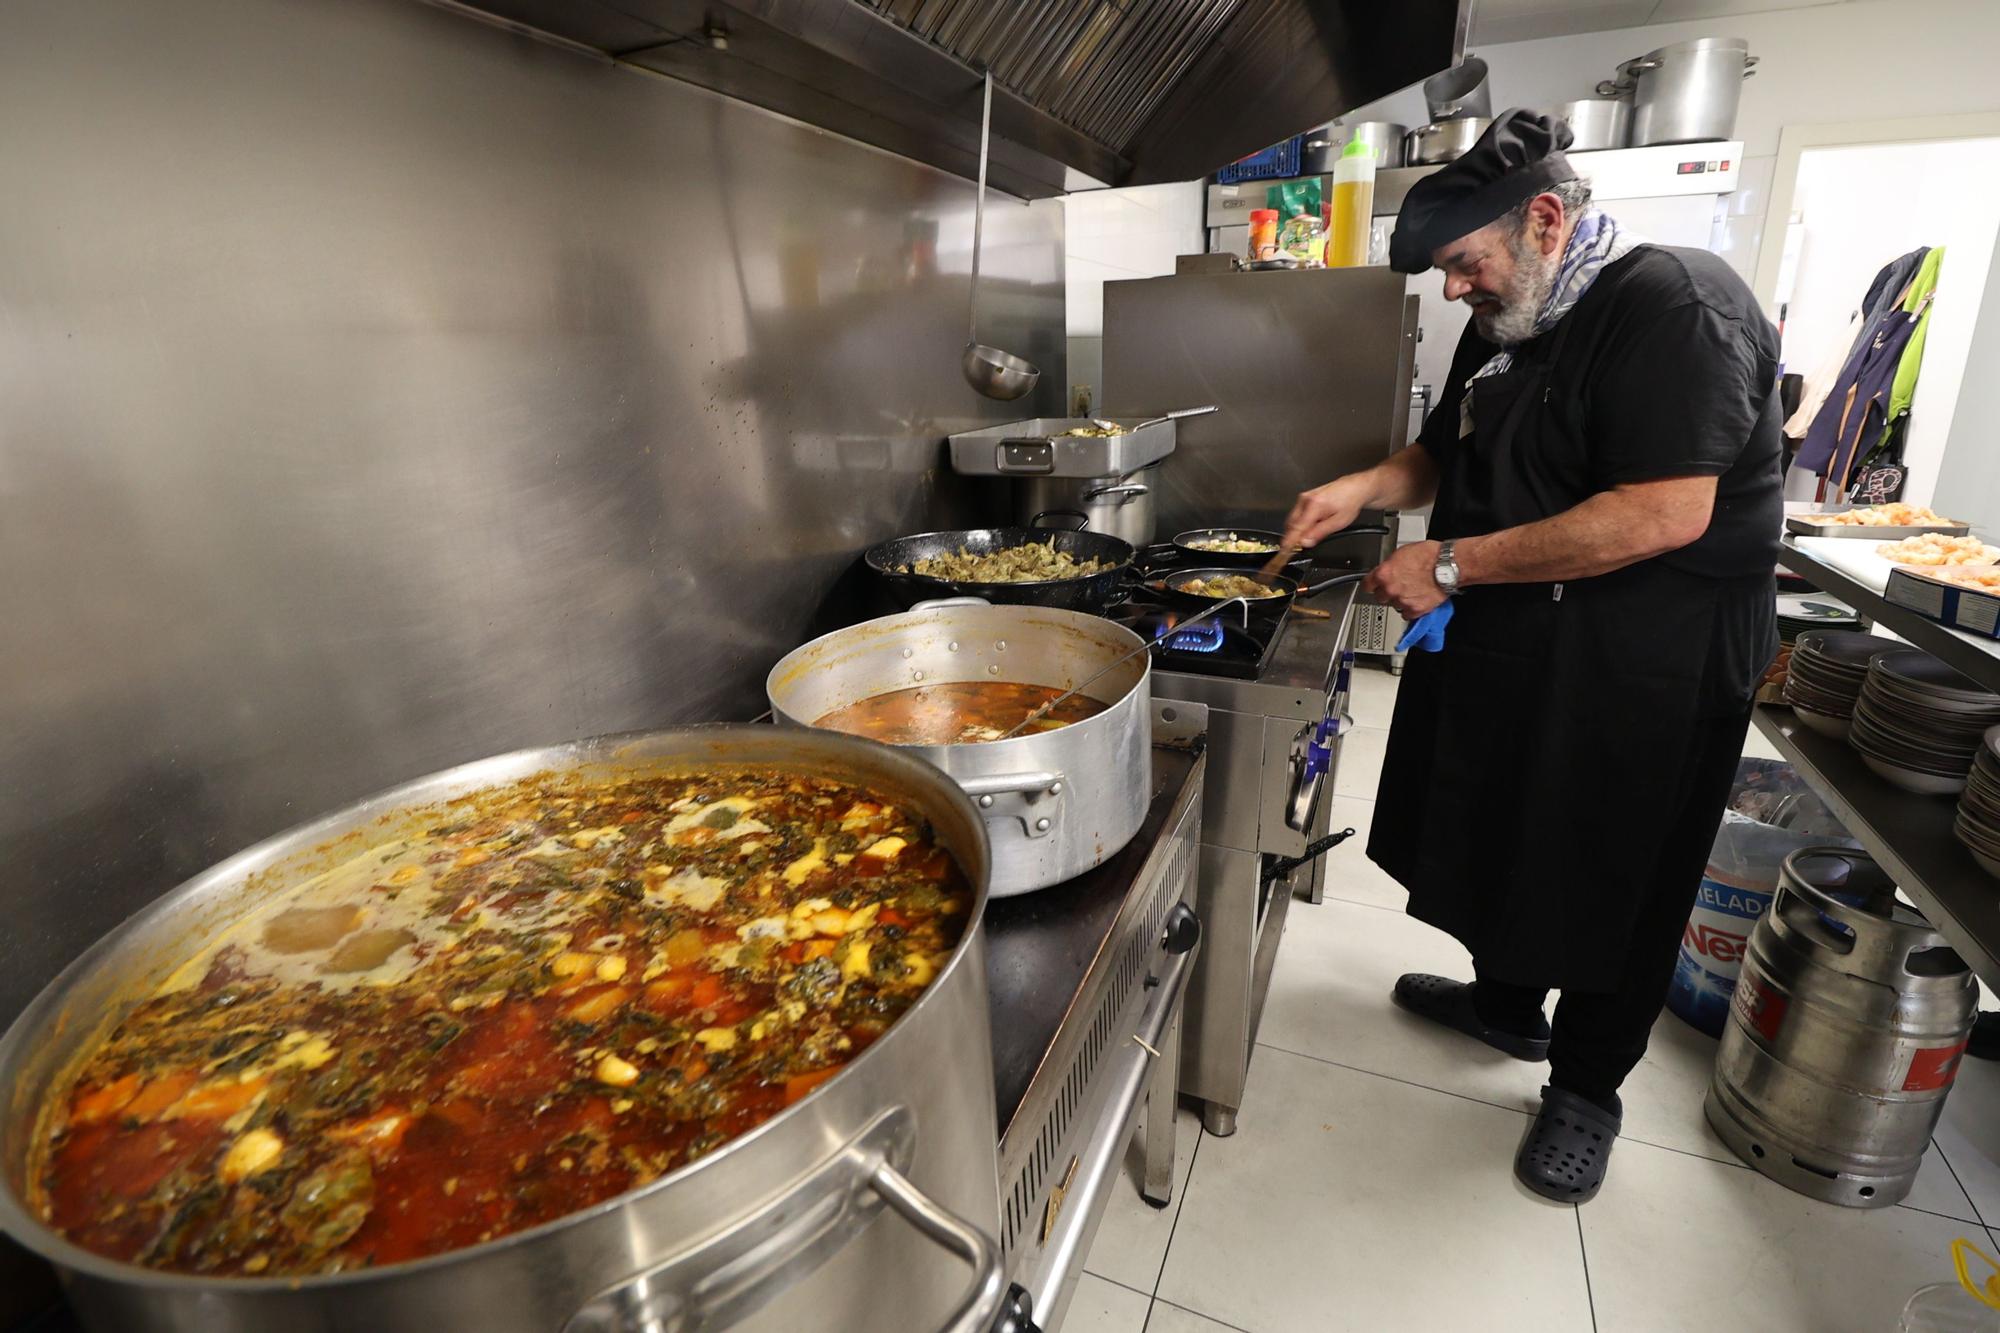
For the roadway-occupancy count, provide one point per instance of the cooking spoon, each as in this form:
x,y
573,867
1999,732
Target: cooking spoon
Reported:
x,y
995,373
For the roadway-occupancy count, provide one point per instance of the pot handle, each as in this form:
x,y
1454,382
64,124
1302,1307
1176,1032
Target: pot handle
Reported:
x,y
1125,493
727,1277
1082,519
987,790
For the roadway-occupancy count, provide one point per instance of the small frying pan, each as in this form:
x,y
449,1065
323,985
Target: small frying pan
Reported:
x,y
1183,543
1284,591
1184,546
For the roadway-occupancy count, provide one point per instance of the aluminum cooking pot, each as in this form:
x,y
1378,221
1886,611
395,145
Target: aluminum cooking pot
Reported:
x,y
1684,93
1057,802
1597,122
1460,92
779,1229
1444,141
1324,145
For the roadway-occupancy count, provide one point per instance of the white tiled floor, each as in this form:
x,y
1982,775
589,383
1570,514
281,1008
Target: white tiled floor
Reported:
x,y
1369,1185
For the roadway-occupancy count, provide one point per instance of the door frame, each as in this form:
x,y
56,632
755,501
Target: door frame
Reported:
x,y
1795,140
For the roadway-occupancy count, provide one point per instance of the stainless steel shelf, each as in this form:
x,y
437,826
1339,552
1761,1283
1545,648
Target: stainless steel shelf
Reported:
x,y
1977,658
1910,835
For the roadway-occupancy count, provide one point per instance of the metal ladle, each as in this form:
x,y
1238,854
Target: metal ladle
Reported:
x,y
995,373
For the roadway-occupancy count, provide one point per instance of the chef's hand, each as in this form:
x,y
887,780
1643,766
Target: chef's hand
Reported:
x,y
1321,512
1407,580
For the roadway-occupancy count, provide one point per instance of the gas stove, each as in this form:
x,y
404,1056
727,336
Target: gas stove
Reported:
x,y
1240,644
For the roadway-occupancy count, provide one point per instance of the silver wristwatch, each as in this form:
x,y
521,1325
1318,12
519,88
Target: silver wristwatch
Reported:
x,y
1446,569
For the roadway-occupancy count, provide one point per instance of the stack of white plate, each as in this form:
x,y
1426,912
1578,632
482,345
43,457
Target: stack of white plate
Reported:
x,y
1978,823
1799,612
1825,676
1918,723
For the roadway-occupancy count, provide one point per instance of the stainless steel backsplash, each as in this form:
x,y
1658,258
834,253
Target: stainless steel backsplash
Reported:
x,y
379,390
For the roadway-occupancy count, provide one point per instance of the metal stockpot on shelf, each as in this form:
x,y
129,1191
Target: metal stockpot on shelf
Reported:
x,y
1445,141
1117,506
1684,93
1325,144
778,1229
1056,803
1843,1037
1597,123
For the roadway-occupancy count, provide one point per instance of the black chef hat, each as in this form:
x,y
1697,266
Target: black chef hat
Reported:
x,y
1519,157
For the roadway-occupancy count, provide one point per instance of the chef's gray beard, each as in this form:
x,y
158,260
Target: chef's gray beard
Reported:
x,y
1510,320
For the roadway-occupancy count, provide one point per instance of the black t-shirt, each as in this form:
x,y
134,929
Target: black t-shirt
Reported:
x,y
1668,369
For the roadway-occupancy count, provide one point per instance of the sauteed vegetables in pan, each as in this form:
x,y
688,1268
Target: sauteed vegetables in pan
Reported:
x,y
543,996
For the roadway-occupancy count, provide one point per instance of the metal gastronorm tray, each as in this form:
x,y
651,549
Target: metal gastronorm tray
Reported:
x,y
1803,526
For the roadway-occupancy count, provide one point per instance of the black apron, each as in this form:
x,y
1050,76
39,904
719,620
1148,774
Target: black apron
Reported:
x,y
1537,763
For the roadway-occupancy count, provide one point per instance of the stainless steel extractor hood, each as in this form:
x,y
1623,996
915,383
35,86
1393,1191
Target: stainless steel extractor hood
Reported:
x,y
1089,92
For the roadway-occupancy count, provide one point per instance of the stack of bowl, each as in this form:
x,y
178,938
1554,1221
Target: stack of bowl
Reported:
x,y
1825,676
1978,823
1918,723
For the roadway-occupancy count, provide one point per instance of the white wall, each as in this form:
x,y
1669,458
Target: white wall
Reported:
x,y
1114,234
1969,478
1827,64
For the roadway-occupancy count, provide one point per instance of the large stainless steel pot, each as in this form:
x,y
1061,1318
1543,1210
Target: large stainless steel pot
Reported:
x,y
1684,93
1597,123
1056,802
1117,506
778,1230
1444,141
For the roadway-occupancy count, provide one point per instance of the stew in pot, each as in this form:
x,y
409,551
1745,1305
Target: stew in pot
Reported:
x,y
957,713
544,996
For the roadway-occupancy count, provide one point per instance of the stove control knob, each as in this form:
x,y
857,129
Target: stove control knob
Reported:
x,y
1183,929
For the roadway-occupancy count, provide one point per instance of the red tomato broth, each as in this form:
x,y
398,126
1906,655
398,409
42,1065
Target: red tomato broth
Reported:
x,y
292,1126
957,712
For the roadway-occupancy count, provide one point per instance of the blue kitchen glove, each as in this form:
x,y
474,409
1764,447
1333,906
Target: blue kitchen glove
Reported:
x,y
1427,632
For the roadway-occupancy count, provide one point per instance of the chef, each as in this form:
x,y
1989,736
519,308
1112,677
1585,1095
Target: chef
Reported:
x,y
1603,467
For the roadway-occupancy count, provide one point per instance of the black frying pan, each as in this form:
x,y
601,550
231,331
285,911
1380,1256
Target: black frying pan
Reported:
x,y
1090,592
1284,590
1183,544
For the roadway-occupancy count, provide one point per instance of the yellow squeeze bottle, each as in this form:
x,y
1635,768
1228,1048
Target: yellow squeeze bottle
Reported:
x,y
1353,208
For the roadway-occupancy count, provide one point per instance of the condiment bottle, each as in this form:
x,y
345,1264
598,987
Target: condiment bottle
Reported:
x,y
1353,208
1263,234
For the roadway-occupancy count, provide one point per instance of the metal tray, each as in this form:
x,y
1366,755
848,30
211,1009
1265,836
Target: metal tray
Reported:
x,y
1805,528
1038,448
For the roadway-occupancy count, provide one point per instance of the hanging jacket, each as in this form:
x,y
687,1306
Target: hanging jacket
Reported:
x,y
1856,412
1918,303
1883,293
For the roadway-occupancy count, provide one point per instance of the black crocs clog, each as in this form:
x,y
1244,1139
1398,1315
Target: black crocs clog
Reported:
x,y
1449,1002
1568,1149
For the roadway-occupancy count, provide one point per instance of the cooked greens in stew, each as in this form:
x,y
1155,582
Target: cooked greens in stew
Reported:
x,y
1030,562
544,996
957,713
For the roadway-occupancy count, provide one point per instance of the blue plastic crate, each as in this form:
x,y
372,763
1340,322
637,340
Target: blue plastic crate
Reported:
x,y
1276,163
